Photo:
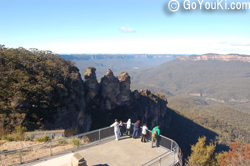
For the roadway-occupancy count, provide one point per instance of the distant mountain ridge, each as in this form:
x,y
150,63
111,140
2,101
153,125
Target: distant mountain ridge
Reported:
x,y
114,56
211,78
117,62
228,57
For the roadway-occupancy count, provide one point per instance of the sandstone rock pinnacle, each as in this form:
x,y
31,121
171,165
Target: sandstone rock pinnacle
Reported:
x,y
110,88
91,82
125,92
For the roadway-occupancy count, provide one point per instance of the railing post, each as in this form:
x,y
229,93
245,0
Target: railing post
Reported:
x,y
171,146
20,155
174,155
50,149
160,161
99,135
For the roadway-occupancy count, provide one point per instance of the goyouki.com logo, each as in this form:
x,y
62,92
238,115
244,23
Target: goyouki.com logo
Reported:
x,y
174,5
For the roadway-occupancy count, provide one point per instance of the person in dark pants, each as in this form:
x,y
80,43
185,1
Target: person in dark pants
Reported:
x,y
121,128
155,134
144,132
136,129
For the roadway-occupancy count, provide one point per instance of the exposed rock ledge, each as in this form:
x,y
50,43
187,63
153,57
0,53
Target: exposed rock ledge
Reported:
x,y
229,57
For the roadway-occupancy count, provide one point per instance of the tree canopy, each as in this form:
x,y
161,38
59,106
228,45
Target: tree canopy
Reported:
x,y
32,83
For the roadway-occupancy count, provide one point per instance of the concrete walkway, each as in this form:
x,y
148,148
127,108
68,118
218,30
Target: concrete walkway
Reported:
x,y
125,152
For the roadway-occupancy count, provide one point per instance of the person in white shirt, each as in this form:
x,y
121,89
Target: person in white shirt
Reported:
x,y
144,132
116,129
128,127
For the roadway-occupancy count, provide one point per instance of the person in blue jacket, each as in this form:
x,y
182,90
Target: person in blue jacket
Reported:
x,y
136,129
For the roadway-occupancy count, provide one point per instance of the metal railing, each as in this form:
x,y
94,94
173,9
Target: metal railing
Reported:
x,y
36,152
172,150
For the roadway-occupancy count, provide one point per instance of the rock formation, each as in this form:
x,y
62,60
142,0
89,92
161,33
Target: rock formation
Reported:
x,y
115,100
125,92
72,116
229,57
110,89
91,82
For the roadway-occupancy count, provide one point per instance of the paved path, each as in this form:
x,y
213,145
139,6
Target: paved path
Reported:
x,y
125,152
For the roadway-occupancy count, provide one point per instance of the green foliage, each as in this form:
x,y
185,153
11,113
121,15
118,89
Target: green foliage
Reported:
x,y
20,129
60,140
201,154
43,138
73,141
9,138
33,84
28,138
20,132
230,124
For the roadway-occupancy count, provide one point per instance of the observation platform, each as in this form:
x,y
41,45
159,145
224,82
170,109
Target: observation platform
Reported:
x,y
104,150
126,151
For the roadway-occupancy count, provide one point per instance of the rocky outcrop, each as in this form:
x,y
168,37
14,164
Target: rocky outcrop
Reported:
x,y
125,92
229,57
110,89
116,101
113,91
152,108
72,115
91,82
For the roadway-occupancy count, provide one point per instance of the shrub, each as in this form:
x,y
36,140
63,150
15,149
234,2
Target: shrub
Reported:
x,y
20,129
43,138
28,137
73,141
61,141
19,134
10,138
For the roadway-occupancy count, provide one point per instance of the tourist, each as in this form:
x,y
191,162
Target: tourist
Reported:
x,y
155,134
136,129
121,128
144,132
116,129
128,127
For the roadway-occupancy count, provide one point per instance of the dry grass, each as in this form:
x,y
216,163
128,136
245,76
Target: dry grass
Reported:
x,y
34,153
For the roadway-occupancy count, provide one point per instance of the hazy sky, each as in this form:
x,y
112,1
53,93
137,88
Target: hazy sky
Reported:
x,y
122,26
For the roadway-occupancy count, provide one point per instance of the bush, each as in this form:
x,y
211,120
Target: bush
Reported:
x,y
73,141
61,141
28,138
10,138
19,135
43,138
20,129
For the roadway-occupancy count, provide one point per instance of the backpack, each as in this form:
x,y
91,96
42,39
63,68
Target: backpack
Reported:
x,y
154,134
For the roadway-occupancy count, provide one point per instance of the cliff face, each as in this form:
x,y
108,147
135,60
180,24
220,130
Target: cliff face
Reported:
x,y
115,100
91,82
71,116
229,57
